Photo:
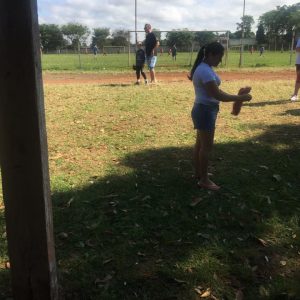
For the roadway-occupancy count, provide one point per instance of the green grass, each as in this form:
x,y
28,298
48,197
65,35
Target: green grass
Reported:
x,y
120,163
119,62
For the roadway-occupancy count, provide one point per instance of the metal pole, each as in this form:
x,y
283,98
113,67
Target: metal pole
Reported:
x,y
135,22
242,40
227,48
128,48
292,45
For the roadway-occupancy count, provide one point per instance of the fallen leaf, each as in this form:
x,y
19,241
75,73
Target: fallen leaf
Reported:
x,y
204,235
195,202
277,177
180,281
69,202
104,280
239,295
283,262
206,294
107,261
63,235
264,167
90,243
262,242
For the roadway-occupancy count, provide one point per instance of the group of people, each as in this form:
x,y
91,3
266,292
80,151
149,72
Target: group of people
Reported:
x,y
208,95
149,56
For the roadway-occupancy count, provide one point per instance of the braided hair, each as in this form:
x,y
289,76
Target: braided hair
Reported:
x,y
213,48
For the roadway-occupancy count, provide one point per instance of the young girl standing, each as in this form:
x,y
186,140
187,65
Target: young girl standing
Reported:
x,y
206,107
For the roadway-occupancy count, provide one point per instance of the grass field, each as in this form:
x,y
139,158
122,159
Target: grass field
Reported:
x,y
119,62
130,222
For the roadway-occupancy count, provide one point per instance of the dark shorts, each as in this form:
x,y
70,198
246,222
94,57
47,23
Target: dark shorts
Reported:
x,y
205,116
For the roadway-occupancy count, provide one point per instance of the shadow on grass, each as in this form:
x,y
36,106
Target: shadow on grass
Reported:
x,y
137,236
292,112
118,84
264,103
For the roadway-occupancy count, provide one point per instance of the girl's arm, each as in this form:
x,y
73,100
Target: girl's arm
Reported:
x,y
213,90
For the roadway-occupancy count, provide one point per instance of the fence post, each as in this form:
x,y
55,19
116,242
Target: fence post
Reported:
x,y
24,155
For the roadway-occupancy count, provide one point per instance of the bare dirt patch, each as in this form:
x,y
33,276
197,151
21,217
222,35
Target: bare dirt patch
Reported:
x,y
73,78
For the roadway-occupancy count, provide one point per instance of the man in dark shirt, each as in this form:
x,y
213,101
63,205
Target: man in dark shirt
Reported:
x,y
151,45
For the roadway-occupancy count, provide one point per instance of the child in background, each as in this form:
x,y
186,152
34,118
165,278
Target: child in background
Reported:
x,y
139,63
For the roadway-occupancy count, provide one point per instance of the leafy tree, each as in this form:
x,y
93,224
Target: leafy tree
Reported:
x,y
204,37
120,37
75,33
260,35
51,37
157,33
279,23
247,22
100,36
180,37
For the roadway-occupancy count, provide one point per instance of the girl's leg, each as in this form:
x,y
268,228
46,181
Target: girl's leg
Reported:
x,y
206,145
297,83
197,148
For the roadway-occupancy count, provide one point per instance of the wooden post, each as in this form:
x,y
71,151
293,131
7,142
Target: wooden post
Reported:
x,y
24,154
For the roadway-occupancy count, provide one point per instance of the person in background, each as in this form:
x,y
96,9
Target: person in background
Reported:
x,y
174,52
95,50
261,50
151,44
139,63
206,107
297,82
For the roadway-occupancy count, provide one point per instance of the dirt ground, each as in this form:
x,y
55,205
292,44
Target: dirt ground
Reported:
x,y
72,78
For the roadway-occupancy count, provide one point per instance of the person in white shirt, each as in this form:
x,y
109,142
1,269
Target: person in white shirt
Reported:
x,y
297,83
206,106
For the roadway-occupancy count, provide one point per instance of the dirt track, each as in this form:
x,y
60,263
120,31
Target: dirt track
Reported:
x,y
71,78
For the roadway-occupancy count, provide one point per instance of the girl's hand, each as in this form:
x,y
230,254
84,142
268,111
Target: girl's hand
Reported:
x,y
245,97
244,90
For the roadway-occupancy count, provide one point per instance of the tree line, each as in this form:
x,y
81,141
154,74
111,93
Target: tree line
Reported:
x,y
275,29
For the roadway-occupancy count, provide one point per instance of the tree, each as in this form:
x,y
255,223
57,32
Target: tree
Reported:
x,y
247,22
75,33
157,33
279,23
51,37
260,35
100,36
180,37
120,37
204,37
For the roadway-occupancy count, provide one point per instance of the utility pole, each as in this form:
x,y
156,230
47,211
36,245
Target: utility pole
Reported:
x,y
135,28
242,40
292,43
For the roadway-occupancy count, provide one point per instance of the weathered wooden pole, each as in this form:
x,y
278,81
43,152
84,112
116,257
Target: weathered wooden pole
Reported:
x,y
24,154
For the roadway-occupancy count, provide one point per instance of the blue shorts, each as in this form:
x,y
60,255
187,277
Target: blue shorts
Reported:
x,y
151,61
205,116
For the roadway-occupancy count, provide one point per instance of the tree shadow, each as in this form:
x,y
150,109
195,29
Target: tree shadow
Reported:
x,y
264,103
292,112
152,234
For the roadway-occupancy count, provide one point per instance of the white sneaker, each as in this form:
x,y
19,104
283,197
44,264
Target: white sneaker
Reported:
x,y
294,98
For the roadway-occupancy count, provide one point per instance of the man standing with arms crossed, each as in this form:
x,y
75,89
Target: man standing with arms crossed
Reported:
x,y
297,83
151,44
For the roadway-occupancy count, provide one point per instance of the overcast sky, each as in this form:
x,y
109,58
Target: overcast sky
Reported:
x,y
162,14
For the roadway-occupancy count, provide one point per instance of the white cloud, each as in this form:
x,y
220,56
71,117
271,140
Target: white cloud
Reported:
x,y
165,15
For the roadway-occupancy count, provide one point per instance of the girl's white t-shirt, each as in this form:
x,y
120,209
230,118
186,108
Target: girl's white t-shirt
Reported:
x,y
203,74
